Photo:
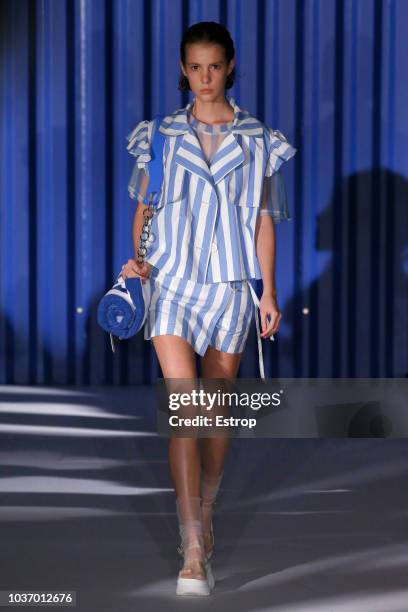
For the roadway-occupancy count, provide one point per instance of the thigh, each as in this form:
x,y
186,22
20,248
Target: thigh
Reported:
x,y
177,361
176,356
218,372
218,364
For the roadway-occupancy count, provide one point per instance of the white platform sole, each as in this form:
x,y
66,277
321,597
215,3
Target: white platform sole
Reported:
x,y
192,586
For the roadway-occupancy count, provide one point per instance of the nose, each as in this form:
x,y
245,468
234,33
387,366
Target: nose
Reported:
x,y
205,76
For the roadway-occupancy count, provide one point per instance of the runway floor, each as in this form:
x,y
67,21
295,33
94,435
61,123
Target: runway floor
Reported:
x,y
87,505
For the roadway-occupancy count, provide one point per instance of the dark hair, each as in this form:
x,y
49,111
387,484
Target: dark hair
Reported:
x,y
207,32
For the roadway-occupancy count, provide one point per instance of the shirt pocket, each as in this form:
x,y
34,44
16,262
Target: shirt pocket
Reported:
x,y
243,192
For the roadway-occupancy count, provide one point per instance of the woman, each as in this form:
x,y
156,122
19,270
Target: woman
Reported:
x,y
212,231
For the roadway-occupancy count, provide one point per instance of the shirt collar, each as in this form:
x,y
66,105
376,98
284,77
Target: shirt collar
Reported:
x,y
243,123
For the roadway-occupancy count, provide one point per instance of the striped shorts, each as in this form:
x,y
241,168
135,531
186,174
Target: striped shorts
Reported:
x,y
212,314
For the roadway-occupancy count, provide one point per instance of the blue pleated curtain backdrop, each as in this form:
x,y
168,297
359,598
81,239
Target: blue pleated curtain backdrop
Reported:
x,y
77,75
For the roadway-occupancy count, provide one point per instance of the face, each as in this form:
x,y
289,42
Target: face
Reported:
x,y
207,69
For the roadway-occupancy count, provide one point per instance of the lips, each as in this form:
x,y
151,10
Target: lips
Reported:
x,y
206,90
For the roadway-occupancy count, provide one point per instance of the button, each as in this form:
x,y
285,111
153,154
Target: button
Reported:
x,y
214,247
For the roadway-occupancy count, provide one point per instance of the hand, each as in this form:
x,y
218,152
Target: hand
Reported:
x,y
270,315
134,269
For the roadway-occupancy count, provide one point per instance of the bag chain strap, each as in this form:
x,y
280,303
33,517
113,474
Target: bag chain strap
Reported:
x,y
145,233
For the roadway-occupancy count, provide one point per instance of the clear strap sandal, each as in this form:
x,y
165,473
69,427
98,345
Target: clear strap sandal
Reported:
x,y
207,565
208,507
209,538
209,490
192,578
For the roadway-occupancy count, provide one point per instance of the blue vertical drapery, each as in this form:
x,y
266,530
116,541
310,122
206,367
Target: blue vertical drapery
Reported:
x,y
77,75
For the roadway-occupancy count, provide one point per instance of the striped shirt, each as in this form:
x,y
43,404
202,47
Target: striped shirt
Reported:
x,y
204,225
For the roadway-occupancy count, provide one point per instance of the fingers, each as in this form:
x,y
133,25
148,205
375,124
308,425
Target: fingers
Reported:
x,y
134,269
269,323
266,323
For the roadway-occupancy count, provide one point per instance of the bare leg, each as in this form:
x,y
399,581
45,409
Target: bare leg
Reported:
x,y
177,361
214,364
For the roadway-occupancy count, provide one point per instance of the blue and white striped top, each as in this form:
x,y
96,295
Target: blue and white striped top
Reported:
x,y
204,226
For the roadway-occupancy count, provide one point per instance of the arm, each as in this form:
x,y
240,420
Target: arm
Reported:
x,y
266,252
274,208
140,147
133,268
265,240
137,225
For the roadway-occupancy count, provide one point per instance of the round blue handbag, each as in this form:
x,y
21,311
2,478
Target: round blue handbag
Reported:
x,y
122,311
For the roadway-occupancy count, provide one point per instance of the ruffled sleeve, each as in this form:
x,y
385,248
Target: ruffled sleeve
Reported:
x,y
279,151
139,146
274,198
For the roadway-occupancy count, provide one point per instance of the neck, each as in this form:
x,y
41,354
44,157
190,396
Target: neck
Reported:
x,y
217,111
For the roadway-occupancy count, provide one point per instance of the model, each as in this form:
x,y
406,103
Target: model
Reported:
x,y
212,231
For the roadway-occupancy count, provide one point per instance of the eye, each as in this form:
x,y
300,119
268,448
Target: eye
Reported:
x,y
194,67
217,66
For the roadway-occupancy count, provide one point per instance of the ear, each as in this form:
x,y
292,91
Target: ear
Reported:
x,y
182,68
231,66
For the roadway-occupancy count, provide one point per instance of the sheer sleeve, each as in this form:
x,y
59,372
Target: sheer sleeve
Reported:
x,y
140,147
274,198
279,151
